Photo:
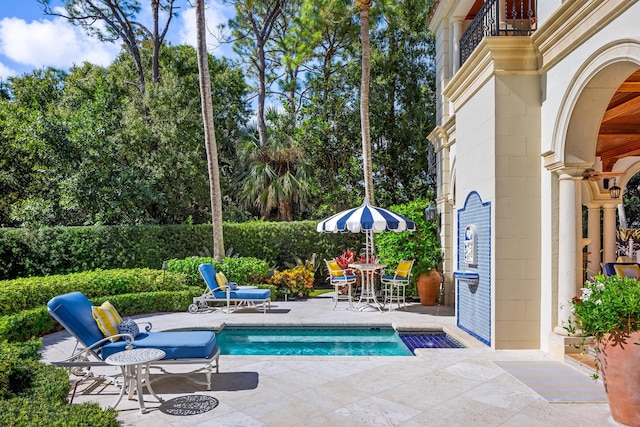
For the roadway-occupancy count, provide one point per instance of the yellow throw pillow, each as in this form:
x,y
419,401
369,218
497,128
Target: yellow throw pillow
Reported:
x,y
631,270
403,269
107,318
334,269
221,280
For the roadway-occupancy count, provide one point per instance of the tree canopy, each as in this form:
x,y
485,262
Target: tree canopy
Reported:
x,y
85,146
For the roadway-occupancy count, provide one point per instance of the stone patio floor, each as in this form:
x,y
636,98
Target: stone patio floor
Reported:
x,y
437,387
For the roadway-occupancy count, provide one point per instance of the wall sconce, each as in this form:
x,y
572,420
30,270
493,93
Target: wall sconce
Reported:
x,y
431,212
614,191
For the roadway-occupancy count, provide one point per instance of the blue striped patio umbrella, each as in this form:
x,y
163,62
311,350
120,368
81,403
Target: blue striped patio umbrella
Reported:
x,y
368,219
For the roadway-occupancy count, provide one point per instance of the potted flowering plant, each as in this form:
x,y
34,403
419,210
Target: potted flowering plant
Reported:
x,y
349,257
608,310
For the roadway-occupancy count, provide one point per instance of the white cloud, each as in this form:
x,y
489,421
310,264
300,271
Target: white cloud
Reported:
x,y
54,43
6,72
215,14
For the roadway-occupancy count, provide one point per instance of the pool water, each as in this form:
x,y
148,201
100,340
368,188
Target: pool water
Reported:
x,y
313,341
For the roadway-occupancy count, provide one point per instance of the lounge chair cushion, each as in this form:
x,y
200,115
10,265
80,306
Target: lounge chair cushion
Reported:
x,y
128,326
248,294
107,318
73,310
177,345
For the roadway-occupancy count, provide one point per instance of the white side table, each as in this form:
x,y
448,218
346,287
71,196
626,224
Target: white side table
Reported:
x,y
135,369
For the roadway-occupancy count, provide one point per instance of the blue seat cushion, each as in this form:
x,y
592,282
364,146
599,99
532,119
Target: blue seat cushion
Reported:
x,y
345,278
394,278
177,345
239,294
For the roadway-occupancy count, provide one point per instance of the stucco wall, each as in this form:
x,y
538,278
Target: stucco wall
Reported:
x,y
517,212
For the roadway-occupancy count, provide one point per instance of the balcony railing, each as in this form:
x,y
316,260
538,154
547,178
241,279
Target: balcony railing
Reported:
x,y
498,18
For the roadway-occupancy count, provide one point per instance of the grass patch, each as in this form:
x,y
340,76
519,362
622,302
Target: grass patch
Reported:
x,y
319,292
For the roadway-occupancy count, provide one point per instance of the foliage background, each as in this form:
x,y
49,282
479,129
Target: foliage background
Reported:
x,y
85,146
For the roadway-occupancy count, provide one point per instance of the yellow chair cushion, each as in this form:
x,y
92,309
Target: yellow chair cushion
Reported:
x,y
403,269
632,270
221,280
107,318
334,269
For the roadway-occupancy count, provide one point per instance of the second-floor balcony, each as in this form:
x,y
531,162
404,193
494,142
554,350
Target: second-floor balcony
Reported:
x,y
498,18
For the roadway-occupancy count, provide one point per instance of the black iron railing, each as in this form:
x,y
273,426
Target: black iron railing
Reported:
x,y
498,18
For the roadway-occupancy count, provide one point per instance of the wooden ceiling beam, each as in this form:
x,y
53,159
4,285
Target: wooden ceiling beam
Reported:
x,y
629,87
622,130
623,150
624,108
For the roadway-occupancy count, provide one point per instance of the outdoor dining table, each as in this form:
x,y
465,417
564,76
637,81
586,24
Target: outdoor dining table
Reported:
x,y
368,299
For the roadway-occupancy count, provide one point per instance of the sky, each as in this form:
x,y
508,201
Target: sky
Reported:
x,y
29,39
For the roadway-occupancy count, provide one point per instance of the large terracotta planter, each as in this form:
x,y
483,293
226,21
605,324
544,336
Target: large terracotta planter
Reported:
x,y
429,287
619,364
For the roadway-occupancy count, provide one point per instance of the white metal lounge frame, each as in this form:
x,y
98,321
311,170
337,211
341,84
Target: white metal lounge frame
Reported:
x,y
84,357
240,296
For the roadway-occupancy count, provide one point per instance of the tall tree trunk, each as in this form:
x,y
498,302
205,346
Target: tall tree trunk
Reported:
x,y
209,133
155,66
262,96
364,6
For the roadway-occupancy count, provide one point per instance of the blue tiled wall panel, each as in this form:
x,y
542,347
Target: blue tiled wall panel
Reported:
x,y
474,302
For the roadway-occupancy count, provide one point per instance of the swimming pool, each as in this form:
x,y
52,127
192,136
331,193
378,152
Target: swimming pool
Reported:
x,y
314,341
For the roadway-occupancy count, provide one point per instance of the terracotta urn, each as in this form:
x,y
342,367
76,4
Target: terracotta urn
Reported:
x,y
429,287
619,363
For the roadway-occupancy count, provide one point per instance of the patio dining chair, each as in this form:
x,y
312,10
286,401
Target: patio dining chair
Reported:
x,y
395,284
341,280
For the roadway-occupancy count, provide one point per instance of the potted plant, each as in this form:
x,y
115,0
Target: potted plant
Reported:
x,y
608,310
421,246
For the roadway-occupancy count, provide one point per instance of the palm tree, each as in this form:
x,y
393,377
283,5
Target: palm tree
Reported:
x,y
275,178
209,133
364,6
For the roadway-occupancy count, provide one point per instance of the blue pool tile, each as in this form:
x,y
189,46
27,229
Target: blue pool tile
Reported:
x,y
415,340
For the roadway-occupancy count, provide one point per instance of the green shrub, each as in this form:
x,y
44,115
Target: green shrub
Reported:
x,y
32,412
61,250
27,293
35,394
421,245
37,322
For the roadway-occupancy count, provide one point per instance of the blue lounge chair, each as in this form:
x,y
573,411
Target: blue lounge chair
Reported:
x,y
74,312
220,290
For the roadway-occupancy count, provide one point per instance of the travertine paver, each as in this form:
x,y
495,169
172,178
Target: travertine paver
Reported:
x,y
444,387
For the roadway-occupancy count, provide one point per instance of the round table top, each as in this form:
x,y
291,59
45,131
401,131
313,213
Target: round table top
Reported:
x,y
135,356
367,266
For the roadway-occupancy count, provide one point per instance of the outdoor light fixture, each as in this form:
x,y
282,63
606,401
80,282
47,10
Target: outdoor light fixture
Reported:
x,y
614,191
431,213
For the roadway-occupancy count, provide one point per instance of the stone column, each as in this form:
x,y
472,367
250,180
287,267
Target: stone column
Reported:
x,y
609,232
594,232
457,33
568,240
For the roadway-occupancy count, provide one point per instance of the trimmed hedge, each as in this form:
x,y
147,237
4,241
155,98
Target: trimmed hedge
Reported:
x,y
243,270
61,250
37,322
26,293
